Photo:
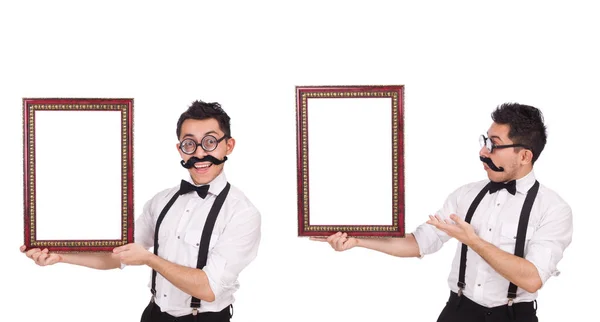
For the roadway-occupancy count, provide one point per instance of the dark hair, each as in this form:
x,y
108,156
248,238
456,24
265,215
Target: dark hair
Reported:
x,y
200,110
526,126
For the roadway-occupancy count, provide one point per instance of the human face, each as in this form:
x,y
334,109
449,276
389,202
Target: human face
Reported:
x,y
204,172
515,161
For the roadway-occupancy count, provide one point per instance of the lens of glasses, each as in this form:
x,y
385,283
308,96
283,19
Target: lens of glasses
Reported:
x,y
483,141
188,146
209,143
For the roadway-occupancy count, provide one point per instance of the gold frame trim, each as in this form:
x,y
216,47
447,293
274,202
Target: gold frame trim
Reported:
x,y
395,124
124,168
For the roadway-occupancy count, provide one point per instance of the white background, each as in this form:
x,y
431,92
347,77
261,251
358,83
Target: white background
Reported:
x,y
457,59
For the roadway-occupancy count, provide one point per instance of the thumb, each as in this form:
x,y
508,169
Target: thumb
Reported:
x,y
456,219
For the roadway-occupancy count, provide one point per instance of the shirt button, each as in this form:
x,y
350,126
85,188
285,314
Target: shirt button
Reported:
x,y
490,229
165,295
197,244
497,204
178,237
187,210
478,284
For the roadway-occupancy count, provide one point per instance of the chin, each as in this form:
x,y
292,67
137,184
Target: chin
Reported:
x,y
494,176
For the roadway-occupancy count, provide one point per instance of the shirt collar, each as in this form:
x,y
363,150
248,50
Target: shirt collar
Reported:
x,y
525,183
216,185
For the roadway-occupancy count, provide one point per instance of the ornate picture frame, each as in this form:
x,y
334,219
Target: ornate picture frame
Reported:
x,y
78,173
350,160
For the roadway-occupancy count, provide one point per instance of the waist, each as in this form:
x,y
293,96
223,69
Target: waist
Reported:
x,y
223,315
526,307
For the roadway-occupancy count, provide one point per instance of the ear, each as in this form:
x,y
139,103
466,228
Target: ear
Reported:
x,y
230,145
526,156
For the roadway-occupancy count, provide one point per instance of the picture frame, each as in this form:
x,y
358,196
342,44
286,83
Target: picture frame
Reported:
x,y
78,173
350,160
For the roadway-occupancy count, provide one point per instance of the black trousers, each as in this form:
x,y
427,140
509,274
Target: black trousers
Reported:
x,y
152,313
462,309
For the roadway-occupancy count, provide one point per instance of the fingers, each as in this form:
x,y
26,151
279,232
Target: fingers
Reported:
x,y
338,241
32,251
50,259
120,249
42,257
457,219
23,248
334,237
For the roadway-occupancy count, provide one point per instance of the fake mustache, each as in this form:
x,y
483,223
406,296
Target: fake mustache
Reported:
x,y
490,164
193,160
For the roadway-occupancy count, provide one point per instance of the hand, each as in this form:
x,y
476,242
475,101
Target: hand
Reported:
x,y
132,254
459,229
41,257
338,241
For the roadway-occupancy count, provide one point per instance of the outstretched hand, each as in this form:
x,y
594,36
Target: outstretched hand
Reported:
x,y
132,254
41,257
338,241
456,228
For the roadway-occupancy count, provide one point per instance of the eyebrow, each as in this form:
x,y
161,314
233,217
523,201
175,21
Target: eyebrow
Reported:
x,y
189,135
494,137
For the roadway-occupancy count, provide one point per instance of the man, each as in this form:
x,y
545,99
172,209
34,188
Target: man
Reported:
x,y
194,269
512,231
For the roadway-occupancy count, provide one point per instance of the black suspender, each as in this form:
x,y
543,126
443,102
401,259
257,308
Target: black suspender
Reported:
x,y
521,232
519,245
463,251
204,241
158,222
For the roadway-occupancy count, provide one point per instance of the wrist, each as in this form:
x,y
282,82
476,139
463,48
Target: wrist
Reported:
x,y
475,242
147,259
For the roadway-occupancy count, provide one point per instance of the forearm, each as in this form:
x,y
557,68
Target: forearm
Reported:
x,y
192,281
519,271
92,260
399,247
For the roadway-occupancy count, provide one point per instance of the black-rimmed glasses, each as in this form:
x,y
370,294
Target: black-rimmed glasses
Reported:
x,y
490,146
208,143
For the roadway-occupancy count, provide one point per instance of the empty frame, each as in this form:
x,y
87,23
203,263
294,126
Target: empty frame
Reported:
x,y
350,160
78,174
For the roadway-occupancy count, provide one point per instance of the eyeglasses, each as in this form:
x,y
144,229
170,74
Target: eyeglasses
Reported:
x,y
208,143
484,141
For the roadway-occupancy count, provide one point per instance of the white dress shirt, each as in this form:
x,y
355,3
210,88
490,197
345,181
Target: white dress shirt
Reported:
x,y
233,244
496,220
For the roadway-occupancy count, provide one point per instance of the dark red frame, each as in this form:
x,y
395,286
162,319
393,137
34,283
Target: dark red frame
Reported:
x,y
125,106
396,92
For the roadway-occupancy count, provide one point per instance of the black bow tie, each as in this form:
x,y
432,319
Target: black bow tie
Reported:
x,y
510,186
187,187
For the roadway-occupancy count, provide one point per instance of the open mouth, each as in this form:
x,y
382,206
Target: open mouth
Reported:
x,y
199,165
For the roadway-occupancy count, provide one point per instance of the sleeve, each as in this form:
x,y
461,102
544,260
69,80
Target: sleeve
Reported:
x,y
235,249
143,232
549,241
431,239
144,227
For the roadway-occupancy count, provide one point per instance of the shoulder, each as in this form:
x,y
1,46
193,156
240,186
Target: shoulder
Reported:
x,y
162,197
550,201
238,202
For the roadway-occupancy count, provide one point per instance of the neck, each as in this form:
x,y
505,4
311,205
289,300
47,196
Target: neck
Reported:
x,y
523,172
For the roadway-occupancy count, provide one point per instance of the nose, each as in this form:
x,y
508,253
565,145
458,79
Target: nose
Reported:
x,y
200,153
484,152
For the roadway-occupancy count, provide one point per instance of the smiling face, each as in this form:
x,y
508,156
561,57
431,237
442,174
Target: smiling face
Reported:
x,y
515,161
204,172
